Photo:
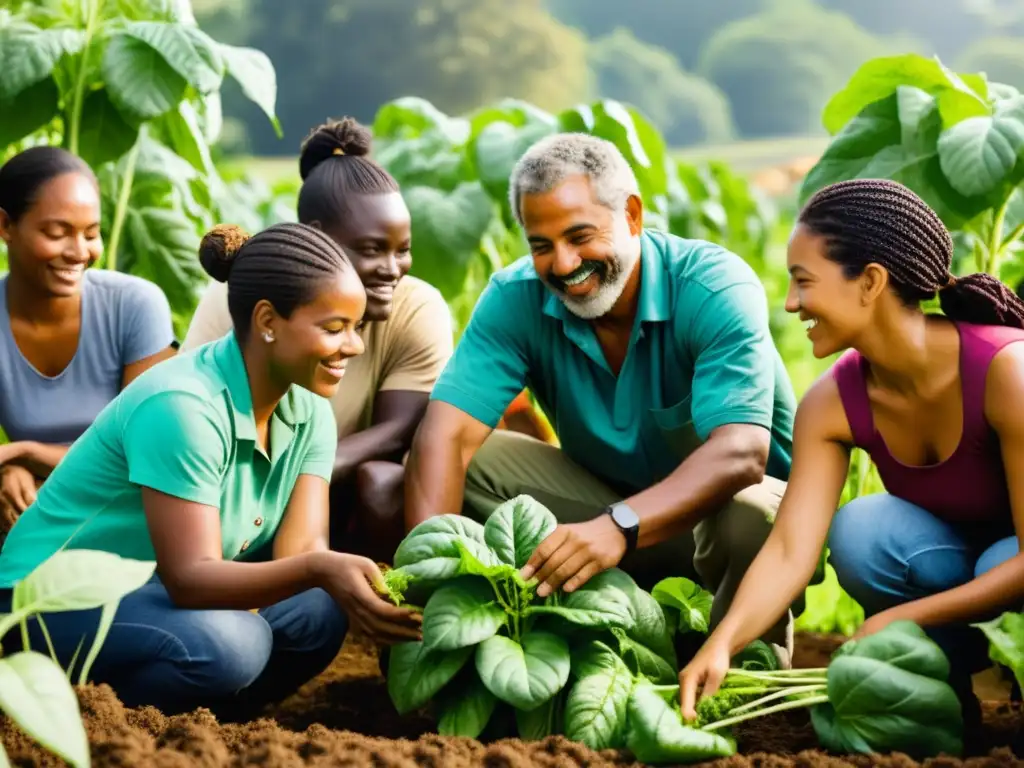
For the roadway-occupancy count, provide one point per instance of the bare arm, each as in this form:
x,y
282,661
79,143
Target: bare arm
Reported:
x,y
732,459
306,524
435,473
396,414
133,370
1001,588
786,562
186,540
39,458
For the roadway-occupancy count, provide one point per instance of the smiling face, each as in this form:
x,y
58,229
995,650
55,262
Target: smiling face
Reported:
x,y
312,347
582,250
835,308
376,237
55,240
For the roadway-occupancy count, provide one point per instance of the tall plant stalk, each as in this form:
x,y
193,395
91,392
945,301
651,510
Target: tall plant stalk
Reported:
x,y
75,120
123,196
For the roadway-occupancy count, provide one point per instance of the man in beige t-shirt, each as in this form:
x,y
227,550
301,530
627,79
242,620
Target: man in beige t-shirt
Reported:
x,y
404,354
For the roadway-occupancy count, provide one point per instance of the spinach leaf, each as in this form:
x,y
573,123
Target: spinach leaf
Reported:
x,y
686,601
902,644
595,711
543,721
415,674
517,527
1006,642
756,657
464,612
524,675
644,662
656,733
466,707
876,707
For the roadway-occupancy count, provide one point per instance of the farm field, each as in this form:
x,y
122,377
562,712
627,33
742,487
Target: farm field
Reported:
x,y
344,718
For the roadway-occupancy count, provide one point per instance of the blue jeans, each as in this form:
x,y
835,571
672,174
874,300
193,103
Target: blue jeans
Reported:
x,y
233,662
887,551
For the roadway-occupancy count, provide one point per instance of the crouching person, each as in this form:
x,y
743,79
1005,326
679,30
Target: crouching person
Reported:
x,y
216,465
651,355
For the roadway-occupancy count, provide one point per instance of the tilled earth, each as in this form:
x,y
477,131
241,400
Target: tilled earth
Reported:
x,y
344,718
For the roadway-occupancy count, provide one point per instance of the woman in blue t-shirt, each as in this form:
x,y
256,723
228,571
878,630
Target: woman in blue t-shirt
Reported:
x,y
70,338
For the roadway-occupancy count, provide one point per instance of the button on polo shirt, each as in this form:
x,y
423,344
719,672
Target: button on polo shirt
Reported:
x,y
185,428
701,355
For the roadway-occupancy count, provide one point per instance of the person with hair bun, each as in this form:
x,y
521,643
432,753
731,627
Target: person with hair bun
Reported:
x,y
407,333
70,337
216,466
933,399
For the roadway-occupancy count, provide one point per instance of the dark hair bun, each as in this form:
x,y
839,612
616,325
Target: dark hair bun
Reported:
x,y
218,249
345,137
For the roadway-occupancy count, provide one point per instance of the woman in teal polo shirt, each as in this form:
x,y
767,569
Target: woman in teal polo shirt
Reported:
x,y
216,464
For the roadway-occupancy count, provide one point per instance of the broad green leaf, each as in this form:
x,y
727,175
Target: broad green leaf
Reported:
x,y
593,657
447,230
688,600
543,721
185,135
656,733
411,116
77,580
427,161
188,50
644,662
453,525
595,710
28,55
516,528
492,569
650,628
30,110
255,73
497,149
140,80
875,707
981,153
466,708
417,548
1006,642
525,675
875,144
756,657
35,694
901,644
513,111
465,612
880,78
415,674
599,614
104,135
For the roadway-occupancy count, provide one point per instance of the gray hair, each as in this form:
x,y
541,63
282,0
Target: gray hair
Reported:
x,y
555,158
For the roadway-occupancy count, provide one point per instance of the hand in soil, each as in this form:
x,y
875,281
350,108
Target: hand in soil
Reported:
x,y
17,487
705,672
348,579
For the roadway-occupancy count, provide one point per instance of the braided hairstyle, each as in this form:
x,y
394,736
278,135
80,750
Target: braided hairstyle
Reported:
x,y
879,221
254,269
334,166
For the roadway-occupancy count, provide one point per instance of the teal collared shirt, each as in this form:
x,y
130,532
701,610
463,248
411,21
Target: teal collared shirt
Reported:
x,y
185,428
701,356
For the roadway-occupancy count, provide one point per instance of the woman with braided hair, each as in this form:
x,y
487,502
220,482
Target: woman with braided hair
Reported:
x,y
934,399
216,465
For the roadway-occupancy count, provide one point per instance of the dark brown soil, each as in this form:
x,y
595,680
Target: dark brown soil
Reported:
x,y
344,718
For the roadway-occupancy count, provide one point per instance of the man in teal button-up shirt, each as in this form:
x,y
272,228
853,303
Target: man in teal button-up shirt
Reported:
x,y
651,355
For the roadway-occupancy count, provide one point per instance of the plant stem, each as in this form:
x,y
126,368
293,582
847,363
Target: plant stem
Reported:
x,y
1014,235
783,676
121,210
784,693
995,241
83,71
810,701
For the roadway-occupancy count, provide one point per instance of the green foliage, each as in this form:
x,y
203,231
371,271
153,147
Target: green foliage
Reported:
x,y
779,67
955,139
1000,58
133,87
35,693
686,108
685,603
1005,636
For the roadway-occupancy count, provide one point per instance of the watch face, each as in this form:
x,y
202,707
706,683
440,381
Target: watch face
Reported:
x,y
625,517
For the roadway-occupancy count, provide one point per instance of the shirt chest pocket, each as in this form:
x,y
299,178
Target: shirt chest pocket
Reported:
x,y
671,429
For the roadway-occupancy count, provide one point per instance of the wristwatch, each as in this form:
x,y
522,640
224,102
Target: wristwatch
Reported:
x,y
627,521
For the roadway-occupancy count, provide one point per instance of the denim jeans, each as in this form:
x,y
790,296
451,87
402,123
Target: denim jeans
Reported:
x,y
230,661
887,551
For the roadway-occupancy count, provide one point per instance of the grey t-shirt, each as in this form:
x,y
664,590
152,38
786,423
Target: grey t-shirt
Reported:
x,y
124,319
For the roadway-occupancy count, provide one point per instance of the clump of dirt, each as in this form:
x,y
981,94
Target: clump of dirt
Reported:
x,y
344,718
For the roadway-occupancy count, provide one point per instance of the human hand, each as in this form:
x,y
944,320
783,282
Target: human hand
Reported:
x,y
705,671
11,451
877,623
17,487
348,579
574,553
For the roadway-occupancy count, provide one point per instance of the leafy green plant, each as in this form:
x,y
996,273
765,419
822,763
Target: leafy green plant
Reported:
x,y
955,139
887,692
133,87
1005,635
35,692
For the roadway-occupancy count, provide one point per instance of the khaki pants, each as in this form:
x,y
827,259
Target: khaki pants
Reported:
x,y
716,554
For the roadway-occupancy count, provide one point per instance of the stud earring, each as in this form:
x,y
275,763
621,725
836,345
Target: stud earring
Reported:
x,y
268,337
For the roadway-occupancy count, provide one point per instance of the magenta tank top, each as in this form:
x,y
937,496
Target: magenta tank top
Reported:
x,y
969,486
